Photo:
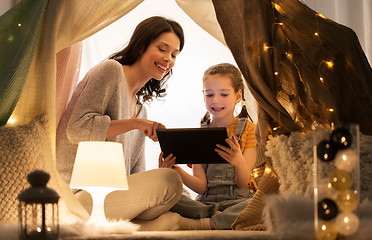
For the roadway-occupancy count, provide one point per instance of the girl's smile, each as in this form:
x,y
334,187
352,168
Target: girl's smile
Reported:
x,y
220,98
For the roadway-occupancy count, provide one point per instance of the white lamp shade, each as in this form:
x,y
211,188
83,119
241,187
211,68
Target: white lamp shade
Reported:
x,y
99,164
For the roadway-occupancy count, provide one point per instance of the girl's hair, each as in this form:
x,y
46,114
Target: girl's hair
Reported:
x,y
146,32
235,76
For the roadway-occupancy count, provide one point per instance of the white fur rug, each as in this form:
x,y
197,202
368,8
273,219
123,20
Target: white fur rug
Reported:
x,y
292,217
9,231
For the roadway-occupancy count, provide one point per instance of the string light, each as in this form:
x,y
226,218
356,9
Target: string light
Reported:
x,y
289,56
266,47
11,120
321,15
329,64
278,8
316,34
10,38
19,24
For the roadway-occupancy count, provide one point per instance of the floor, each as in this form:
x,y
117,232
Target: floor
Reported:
x,y
184,235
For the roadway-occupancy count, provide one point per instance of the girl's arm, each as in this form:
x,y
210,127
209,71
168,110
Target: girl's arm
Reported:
x,y
243,171
242,161
196,182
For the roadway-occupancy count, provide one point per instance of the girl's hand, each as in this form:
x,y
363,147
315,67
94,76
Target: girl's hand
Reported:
x,y
149,128
233,154
167,162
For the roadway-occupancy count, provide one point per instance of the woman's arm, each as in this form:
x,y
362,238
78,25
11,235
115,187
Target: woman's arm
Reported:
x,y
196,182
121,126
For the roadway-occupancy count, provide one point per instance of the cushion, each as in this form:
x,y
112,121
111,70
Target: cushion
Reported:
x,y
292,159
292,217
23,148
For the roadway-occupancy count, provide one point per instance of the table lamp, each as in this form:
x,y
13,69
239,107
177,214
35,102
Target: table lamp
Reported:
x,y
99,169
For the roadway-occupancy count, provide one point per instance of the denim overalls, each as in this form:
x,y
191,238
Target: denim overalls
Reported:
x,y
222,194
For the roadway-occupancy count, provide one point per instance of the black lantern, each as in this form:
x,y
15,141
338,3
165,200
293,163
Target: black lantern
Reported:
x,y
38,209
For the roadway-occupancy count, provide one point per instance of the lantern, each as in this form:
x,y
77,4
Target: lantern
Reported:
x,y
38,209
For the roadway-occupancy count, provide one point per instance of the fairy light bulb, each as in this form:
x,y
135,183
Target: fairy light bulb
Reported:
x,y
278,7
327,209
329,64
326,150
321,15
266,47
346,160
325,190
340,179
326,231
347,223
347,200
342,138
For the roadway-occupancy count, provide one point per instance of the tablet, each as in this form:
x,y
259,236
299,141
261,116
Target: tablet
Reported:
x,y
193,145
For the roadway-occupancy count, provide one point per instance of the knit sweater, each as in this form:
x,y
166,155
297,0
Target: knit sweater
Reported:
x,y
100,97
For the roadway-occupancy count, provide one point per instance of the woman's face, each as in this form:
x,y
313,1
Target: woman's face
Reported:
x,y
219,96
160,56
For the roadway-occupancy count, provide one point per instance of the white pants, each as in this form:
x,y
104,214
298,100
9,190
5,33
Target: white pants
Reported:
x,y
151,194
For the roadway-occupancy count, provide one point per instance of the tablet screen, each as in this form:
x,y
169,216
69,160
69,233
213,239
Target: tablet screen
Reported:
x,y
193,145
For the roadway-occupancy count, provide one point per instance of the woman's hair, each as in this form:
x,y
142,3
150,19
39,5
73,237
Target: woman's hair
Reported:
x,y
235,76
146,32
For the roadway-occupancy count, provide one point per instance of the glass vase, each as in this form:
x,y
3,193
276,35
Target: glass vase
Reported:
x,y
336,180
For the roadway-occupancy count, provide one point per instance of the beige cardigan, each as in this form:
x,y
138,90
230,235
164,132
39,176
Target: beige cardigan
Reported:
x,y
100,97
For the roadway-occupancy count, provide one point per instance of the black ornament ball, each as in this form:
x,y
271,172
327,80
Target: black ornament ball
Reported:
x,y
342,138
327,209
326,150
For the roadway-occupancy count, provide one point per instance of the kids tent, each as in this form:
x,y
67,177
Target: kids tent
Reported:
x,y
301,67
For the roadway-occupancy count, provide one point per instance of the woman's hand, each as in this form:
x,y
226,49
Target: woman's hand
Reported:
x,y
167,162
149,128
125,125
233,154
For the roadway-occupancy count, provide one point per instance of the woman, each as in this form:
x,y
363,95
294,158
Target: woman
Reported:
x,y
108,104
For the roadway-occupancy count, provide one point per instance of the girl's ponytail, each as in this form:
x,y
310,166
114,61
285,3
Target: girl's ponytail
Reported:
x,y
244,112
205,120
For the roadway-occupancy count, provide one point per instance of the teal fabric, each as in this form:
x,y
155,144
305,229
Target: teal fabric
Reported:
x,y
20,30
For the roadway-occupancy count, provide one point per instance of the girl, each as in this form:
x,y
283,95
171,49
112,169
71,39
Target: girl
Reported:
x,y
223,188
108,105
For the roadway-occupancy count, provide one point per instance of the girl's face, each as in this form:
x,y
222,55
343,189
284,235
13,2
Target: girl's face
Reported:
x,y
160,56
219,96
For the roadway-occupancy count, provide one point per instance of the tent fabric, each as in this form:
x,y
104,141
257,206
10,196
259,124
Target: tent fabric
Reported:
x,y
20,30
293,100
283,60
203,14
68,68
63,24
